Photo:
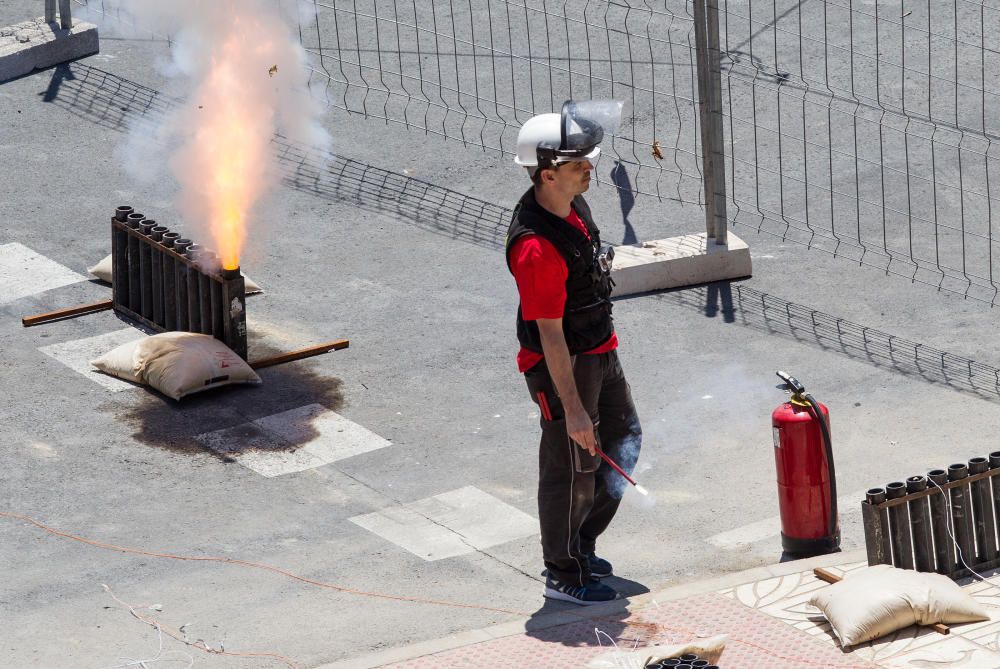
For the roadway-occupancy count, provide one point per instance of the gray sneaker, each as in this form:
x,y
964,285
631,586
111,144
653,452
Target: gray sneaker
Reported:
x,y
594,592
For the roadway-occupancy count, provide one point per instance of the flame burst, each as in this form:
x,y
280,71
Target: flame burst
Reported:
x,y
249,78
224,164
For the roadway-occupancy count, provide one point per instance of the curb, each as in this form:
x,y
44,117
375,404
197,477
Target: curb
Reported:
x,y
450,642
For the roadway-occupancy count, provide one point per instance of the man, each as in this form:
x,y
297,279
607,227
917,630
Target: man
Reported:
x,y
568,348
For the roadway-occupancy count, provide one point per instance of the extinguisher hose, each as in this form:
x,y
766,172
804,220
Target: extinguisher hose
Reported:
x,y
828,447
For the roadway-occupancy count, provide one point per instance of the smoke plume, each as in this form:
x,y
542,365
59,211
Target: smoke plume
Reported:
x,y
243,77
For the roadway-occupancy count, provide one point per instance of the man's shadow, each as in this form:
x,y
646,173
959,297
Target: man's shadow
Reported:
x,y
619,177
574,625
720,291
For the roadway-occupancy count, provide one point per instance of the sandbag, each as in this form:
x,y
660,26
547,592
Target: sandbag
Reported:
x,y
878,600
102,271
177,363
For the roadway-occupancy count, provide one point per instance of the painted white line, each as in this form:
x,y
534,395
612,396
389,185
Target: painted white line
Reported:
x,y
293,441
450,524
78,353
24,272
771,527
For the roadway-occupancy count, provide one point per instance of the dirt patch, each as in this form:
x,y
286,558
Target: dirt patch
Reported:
x,y
161,422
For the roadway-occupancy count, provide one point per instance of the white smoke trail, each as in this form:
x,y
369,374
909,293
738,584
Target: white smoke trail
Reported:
x,y
242,76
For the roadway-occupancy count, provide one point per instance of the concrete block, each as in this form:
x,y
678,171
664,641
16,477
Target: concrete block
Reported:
x,y
678,261
36,45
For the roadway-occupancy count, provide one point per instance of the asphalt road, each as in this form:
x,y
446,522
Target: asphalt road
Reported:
x,y
425,298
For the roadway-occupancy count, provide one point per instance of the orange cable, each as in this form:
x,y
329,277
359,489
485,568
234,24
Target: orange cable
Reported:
x,y
363,593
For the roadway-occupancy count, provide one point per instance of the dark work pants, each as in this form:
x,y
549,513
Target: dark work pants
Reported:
x,y
578,494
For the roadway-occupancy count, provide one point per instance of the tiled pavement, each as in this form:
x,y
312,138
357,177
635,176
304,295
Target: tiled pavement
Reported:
x,y
763,611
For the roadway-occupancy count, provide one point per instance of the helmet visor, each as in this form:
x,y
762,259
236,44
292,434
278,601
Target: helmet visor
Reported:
x,y
584,124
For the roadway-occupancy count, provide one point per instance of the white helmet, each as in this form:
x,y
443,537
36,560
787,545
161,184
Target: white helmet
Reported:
x,y
573,134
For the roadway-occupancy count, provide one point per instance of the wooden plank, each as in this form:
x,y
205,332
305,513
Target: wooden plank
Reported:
x,y
68,312
829,577
298,354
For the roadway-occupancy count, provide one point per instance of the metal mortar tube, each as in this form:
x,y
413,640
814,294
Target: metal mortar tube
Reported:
x,y
134,277
982,512
194,289
961,513
944,549
209,260
899,527
181,246
994,459
234,303
876,522
920,524
119,257
146,269
156,234
169,282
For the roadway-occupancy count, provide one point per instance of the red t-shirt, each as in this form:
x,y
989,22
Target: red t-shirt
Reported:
x,y
541,274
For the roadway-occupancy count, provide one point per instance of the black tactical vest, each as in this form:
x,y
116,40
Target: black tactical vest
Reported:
x,y
587,317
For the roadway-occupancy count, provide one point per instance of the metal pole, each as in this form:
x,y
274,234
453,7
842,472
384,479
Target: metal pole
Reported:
x,y
50,11
65,15
709,64
701,54
715,118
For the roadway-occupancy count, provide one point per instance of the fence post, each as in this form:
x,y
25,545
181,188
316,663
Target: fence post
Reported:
x,y
709,64
65,15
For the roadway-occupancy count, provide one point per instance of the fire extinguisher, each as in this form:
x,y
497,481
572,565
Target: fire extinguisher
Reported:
x,y
807,483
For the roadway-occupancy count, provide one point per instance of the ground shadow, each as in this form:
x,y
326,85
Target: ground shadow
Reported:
x,y
573,625
626,198
159,421
773,315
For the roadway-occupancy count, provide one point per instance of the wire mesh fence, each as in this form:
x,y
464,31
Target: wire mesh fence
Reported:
x,y
475,70
863,128
866,129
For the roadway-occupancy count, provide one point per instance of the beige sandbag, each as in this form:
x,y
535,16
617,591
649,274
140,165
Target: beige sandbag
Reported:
x,y
102,271
875,601
177,363
706,649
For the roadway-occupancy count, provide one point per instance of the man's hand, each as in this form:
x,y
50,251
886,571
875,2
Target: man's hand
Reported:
x,y
580,428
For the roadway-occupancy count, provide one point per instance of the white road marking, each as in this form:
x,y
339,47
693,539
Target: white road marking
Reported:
x,y
78,353
24,272
771,527
450,524
293,441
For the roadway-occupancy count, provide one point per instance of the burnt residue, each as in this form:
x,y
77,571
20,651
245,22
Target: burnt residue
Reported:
x,y
164,423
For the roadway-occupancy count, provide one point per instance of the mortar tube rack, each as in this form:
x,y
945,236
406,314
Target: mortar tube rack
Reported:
x,y
931,521
169,284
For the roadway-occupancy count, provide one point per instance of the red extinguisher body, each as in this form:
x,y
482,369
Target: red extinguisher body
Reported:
x,y
809,525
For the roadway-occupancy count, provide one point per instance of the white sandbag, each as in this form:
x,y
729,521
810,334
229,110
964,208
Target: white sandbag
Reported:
x,y
102,271
875,601
706,649
177,363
